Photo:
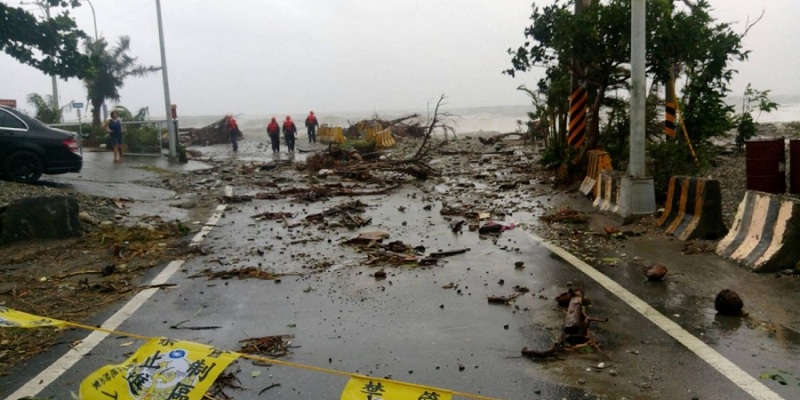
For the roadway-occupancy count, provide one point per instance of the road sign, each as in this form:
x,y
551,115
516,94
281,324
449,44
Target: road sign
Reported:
x,y
77,105
8,102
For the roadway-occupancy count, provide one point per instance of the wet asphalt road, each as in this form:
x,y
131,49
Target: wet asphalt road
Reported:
x,y
409,328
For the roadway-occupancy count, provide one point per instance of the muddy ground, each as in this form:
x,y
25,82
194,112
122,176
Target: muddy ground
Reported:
x,y
77,278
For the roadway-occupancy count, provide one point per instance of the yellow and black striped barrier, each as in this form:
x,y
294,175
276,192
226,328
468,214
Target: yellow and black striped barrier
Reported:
x,y
384,139
693,209
329,134
323,133
599,160
370,132
669,119
609,183
577,117
765,233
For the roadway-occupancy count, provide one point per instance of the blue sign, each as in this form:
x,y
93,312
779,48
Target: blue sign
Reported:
x,y
77,105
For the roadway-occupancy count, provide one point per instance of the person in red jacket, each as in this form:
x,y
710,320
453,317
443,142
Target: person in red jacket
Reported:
x,y
311,125
274,132
233,131
289,133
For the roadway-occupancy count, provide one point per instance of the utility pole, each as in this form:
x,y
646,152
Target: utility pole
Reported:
x,y
46,8
172,135
637,192
576,128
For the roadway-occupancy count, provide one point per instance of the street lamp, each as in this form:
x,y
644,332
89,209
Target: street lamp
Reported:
x,y
94,18
172,134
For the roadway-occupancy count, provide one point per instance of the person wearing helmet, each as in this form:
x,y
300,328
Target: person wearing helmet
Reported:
x,y
289,133
311,125
274,132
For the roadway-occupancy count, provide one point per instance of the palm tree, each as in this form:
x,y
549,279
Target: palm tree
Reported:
x,y
109,68
46,110
127,115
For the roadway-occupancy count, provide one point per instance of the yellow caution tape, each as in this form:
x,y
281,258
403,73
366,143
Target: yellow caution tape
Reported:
x,y
177,369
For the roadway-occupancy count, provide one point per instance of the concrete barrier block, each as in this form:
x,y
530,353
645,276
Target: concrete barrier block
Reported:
x,y
53,217
765,234
608,189
599,161
693,209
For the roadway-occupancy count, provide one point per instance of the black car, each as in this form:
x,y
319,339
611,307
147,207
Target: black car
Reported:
x,y
29,148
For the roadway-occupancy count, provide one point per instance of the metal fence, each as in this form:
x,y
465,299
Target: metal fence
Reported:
x,y
138,137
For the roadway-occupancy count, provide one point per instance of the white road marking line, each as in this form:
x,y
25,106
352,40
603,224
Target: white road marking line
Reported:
x,y
727,368
60,366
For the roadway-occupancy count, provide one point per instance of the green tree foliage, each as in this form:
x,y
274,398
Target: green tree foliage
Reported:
x,y
753,100
50,45
142,137
544,122
598,40
672,157
594,49
702,49
45,110
126,115
109,67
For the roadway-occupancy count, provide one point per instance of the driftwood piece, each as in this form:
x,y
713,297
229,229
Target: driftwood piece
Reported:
x,y
271,346
497,138
566,216
288,225
345,212
193,328
502,299
317,193
236,199
551,352
575,331
272,215
448,253
412,167
575,324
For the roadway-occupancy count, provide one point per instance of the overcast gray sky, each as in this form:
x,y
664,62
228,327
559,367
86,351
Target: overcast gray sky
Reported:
x,y
256,57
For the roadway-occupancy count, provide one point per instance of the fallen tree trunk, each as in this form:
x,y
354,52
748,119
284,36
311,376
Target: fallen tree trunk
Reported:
x,y
413,167
317,192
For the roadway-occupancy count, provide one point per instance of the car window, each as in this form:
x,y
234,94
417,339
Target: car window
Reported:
x,y
8,121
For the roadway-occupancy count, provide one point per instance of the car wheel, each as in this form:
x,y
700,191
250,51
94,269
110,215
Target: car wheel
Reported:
x,y
23,166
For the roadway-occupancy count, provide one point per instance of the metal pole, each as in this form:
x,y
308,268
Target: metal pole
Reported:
x,y
80,132
167,103
636,167
637,193
53,77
